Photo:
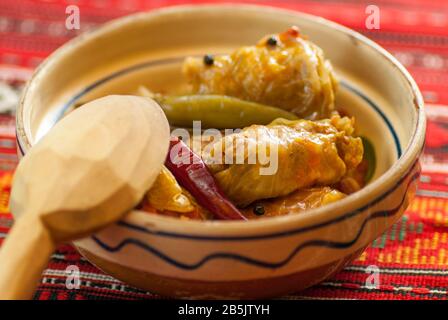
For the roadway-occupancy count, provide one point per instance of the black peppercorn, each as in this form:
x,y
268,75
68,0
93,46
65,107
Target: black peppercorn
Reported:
x,y
208,60
258,209
272,41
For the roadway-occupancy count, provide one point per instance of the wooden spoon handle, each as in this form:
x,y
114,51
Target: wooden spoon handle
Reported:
x,y
23,257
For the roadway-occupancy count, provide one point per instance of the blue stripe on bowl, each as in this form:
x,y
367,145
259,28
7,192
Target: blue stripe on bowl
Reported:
x,y
378,110
251,261
287,233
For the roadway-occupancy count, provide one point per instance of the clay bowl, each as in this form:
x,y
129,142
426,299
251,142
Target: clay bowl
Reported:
x,y
255,259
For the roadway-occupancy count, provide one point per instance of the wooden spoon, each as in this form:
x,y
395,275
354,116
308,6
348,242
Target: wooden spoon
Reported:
x,y
87,172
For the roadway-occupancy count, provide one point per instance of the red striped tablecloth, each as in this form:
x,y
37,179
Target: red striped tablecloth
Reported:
x,y
412,256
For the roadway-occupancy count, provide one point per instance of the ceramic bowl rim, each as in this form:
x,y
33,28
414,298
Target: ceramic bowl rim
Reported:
x,y
351,203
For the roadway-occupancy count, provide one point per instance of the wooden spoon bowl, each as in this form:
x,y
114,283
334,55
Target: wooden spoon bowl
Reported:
x,y
87,172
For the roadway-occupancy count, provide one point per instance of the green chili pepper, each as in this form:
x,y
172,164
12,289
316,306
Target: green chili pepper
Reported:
x,y
216,111
370,157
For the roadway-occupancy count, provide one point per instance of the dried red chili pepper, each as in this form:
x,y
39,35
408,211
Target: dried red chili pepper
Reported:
x,y
192,173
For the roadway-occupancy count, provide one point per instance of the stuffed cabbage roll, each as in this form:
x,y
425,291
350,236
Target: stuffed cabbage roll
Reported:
x,y
283,70
262,162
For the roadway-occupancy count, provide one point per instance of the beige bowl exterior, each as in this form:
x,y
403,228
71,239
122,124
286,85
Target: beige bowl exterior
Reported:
x,y
256,259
